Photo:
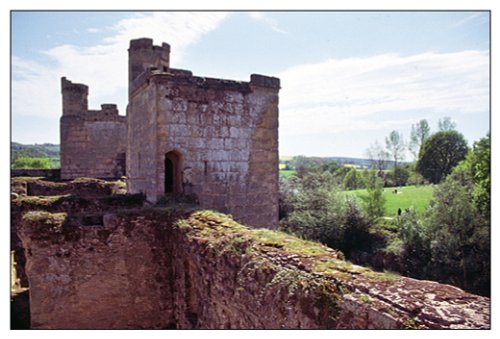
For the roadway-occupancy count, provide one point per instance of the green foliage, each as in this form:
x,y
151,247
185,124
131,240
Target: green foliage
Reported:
x,y
374,201
400,175
440,153
477,165
314,209
415,179
450,243
33,151
31,163
351,180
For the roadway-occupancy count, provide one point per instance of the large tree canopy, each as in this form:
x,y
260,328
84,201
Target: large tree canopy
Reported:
x,y
440,153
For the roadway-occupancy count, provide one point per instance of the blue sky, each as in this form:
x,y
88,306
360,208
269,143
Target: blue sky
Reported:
x,y
348,78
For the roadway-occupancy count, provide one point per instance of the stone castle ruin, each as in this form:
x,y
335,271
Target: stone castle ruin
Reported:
x,y
88,253
216,140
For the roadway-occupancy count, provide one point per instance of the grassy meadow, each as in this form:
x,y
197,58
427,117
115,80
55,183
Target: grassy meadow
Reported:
x,y
415,197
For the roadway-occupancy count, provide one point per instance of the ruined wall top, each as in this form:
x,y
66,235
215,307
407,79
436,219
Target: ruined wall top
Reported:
x,y
75,103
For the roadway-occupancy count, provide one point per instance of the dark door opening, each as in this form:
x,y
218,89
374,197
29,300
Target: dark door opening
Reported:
x,y
173,175
169,176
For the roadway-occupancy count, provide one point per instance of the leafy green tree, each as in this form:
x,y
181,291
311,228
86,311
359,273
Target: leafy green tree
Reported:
x,y
477,165
400,176
374,201
440,153
458,235
451,242
419,132
396,146
352,180
331,166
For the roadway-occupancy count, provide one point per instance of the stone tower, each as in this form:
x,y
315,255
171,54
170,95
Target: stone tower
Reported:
x,y
93,142
212,138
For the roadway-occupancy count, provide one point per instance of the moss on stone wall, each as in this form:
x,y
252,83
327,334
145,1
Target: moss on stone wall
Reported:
x,y
217,273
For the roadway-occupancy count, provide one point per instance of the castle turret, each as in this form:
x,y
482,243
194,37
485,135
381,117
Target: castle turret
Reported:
x,y
144,55
74,97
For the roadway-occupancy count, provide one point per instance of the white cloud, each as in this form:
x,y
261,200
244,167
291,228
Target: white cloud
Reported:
x,y
104,68
340,95
259,16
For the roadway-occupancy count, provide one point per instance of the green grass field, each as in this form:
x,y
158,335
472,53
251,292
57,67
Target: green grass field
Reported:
x,y
415,197
286,173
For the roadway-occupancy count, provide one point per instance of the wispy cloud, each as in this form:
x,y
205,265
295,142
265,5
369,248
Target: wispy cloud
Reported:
x,y
466,20
35,88
340,95
273,24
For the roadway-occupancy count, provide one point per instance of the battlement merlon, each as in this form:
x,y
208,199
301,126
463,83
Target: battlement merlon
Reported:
x,y
74,97
109,109
264,81
143,55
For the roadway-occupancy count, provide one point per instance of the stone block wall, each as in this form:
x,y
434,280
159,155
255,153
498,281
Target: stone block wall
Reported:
x,y
87,198
93,142
222,136
198,269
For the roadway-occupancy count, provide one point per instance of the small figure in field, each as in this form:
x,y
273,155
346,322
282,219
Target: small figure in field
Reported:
x,y
399,212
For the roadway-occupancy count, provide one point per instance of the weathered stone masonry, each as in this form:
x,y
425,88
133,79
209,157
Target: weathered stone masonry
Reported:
x,y
93,142
162,269
216,139
213,139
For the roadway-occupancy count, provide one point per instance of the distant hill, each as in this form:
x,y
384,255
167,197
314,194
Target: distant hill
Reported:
x,y
33,151
362,163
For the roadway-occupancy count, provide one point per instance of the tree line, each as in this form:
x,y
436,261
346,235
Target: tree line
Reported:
x,y
435,154
38,156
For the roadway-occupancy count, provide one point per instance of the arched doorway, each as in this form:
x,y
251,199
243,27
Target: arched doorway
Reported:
x,y
173,175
